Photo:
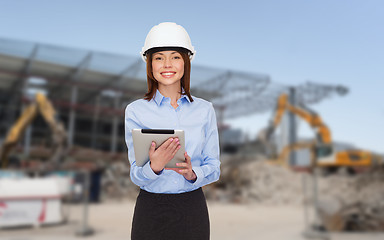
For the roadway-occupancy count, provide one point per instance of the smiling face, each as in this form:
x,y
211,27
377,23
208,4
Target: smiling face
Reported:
x,y
167,68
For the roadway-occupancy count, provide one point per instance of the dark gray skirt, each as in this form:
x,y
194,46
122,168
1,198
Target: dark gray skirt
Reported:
x,y
170,216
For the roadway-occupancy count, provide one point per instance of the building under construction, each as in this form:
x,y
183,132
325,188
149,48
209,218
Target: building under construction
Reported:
x,y
89,90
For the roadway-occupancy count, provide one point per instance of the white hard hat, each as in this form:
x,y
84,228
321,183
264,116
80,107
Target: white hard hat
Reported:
x,y
167,34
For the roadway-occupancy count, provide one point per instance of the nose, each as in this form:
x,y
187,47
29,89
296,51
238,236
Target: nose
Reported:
x,y
167,63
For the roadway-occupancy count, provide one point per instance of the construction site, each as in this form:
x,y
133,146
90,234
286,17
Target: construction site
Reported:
x,y
65,173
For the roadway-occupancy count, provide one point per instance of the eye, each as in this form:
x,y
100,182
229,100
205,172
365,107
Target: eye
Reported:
x,y
177,57
157,58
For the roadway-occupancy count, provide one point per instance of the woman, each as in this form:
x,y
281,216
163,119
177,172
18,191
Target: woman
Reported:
x,y
171,203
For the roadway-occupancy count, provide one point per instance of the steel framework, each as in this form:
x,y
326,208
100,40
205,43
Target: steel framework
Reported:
x,y
96,86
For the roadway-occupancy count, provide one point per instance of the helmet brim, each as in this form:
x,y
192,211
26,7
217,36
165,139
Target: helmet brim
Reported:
x,y
160,49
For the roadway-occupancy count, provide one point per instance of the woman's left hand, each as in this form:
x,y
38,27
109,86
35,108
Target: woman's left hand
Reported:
x,y
186,169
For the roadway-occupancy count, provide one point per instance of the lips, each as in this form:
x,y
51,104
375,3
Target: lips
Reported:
x,y
167,74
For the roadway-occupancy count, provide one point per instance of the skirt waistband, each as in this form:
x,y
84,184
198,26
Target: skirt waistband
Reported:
x,y
184,195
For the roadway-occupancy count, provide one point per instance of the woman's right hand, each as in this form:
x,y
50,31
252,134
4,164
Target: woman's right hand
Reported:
x,y
161,156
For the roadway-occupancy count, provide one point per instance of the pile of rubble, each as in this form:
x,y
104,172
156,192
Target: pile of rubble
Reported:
x,y
116,183
254,180
346,202
352,203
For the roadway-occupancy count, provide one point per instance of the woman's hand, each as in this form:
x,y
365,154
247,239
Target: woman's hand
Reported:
x,y
161,156
186,169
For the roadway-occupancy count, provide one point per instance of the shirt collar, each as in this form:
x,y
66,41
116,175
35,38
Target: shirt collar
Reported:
x,y
158,98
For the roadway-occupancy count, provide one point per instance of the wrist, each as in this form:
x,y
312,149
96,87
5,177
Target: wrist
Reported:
x,y
193,177
156,169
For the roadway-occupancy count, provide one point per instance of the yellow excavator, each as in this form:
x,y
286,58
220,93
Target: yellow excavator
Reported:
x,y
321,149
43,106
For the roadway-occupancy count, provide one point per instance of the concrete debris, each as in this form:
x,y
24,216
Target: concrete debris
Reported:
x,y
256,181
346,202
116,182
357,201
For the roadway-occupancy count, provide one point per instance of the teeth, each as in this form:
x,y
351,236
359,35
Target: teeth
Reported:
x,y
167,74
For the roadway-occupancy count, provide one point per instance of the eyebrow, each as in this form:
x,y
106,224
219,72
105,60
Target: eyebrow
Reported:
x,y
163,54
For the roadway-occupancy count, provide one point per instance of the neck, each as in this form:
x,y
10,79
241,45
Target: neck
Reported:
x,y
173,92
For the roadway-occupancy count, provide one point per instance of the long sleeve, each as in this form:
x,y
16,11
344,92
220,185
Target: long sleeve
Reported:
x,y
209,169
140,176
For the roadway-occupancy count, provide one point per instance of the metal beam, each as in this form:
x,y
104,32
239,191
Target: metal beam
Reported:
x,y
217,82
72,116
64,81
131,69
28,64
95,120
73,76
292,127
74,96
81,67
115,125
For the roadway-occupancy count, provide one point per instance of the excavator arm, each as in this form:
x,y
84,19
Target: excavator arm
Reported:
x,y
59,134
323,145
314,120
44,106
15,133
265,134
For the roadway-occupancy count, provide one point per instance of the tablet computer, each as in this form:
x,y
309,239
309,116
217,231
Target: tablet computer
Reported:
x,y
142,140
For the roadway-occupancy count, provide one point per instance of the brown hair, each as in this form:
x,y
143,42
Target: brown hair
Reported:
x,y
184,81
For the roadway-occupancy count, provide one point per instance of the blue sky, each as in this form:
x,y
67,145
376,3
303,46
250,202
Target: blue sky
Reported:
x,y
333,42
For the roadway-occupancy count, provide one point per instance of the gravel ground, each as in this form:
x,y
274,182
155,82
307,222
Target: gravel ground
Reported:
x,y
112,221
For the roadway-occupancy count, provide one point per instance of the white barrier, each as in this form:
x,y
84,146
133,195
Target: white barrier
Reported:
x,y
31,201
